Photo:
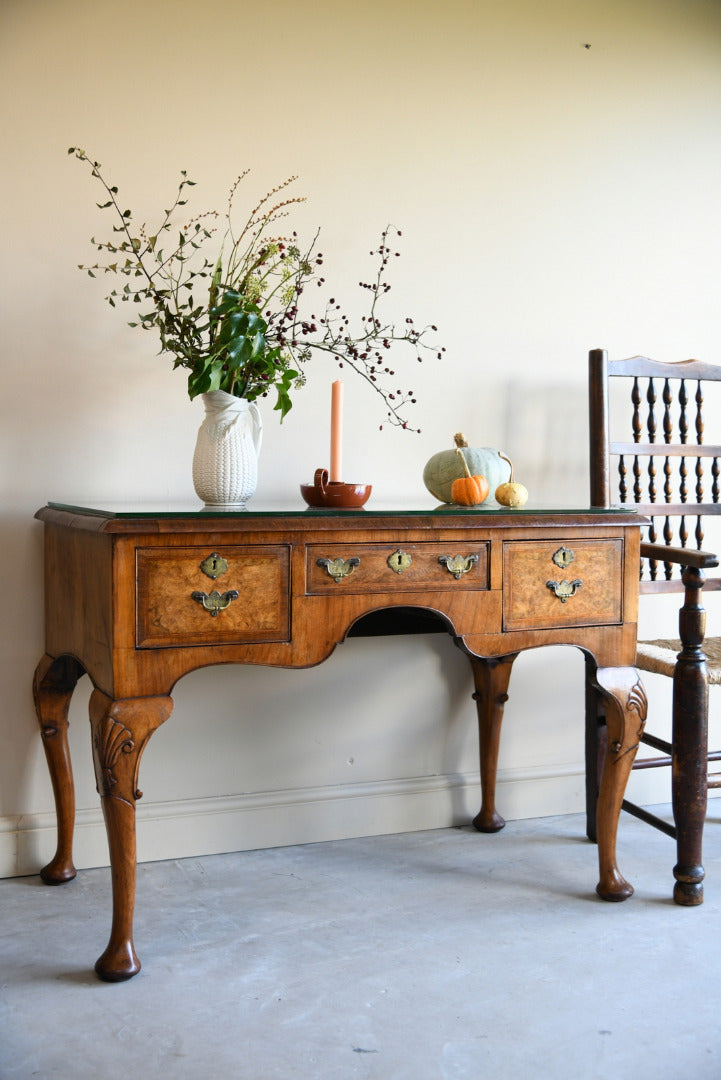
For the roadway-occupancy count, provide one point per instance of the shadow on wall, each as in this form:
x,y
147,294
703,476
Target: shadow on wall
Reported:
x,y
21,646
545,432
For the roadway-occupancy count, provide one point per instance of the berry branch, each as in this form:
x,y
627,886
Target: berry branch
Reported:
x,y
250,334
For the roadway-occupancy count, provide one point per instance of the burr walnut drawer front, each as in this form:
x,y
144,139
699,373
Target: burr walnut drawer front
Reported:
x,y
207,596
547,584
376,568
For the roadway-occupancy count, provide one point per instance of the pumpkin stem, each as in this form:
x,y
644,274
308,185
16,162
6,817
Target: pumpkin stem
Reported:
x,y
460,439
462,456
502,455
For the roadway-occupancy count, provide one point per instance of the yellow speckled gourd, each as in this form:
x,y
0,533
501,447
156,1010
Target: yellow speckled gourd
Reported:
x,y
511,493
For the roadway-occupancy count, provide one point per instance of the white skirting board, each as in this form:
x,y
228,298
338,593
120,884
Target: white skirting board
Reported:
x,y
210,826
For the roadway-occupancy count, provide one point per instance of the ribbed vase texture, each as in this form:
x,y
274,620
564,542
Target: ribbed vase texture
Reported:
x,y
225,463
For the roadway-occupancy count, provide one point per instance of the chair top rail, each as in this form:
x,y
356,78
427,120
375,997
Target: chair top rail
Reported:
x,y
683,369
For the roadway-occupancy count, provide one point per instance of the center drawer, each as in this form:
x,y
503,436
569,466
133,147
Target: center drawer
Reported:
x,y
207,596
397,568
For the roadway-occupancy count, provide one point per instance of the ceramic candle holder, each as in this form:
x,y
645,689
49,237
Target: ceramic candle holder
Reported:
x,y
333,494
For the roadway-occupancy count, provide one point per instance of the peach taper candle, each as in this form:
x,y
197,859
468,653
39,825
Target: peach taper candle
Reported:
x,y
336,432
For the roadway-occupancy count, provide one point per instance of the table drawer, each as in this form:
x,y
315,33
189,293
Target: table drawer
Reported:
x,y
206,596
378,568
575,584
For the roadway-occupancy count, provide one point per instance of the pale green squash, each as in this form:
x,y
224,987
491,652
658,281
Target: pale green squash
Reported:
x,y
445,467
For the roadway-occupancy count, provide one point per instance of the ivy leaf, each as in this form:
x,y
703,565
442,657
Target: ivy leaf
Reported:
x,y
283,403
240,351
258,344
201,382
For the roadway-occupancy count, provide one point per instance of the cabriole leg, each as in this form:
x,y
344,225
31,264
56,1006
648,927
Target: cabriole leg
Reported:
x,y
120,732
53,686
491,678
626,716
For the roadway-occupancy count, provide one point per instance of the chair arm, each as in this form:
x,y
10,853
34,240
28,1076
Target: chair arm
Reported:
x,y
699,560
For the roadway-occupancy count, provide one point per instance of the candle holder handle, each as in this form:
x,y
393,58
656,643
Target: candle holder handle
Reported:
x,y
320,481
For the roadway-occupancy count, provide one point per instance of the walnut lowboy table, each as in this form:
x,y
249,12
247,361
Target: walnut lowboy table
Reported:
x,y
138,599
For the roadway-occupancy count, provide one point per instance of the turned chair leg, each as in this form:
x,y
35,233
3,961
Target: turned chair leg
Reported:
x,y
690,745
596,744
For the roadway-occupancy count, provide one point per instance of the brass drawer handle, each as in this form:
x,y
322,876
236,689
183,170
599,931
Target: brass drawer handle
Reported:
x,y
458,565
215,602
564,590
339,568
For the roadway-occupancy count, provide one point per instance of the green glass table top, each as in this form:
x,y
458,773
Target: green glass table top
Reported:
x,y
299,509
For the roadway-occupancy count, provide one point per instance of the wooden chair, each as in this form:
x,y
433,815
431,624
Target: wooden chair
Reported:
x,y
669,474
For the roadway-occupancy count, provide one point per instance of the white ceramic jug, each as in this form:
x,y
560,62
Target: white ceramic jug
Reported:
x,y
225,463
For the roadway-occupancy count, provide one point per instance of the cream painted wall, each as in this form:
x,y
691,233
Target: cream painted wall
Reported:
x,y
553,198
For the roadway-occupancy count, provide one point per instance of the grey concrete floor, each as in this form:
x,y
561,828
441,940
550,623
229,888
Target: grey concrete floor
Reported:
x,y
442,954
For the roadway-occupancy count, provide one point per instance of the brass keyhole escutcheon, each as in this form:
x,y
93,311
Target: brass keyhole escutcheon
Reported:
x,y
399,561
563,557
214,565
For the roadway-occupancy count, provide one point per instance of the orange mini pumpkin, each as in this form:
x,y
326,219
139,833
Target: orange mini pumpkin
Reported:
x,y
468,490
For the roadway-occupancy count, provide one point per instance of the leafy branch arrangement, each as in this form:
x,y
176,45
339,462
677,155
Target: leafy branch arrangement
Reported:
x,y
247,335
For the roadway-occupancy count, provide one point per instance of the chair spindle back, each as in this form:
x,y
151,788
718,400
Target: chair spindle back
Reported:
x,y
665,470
